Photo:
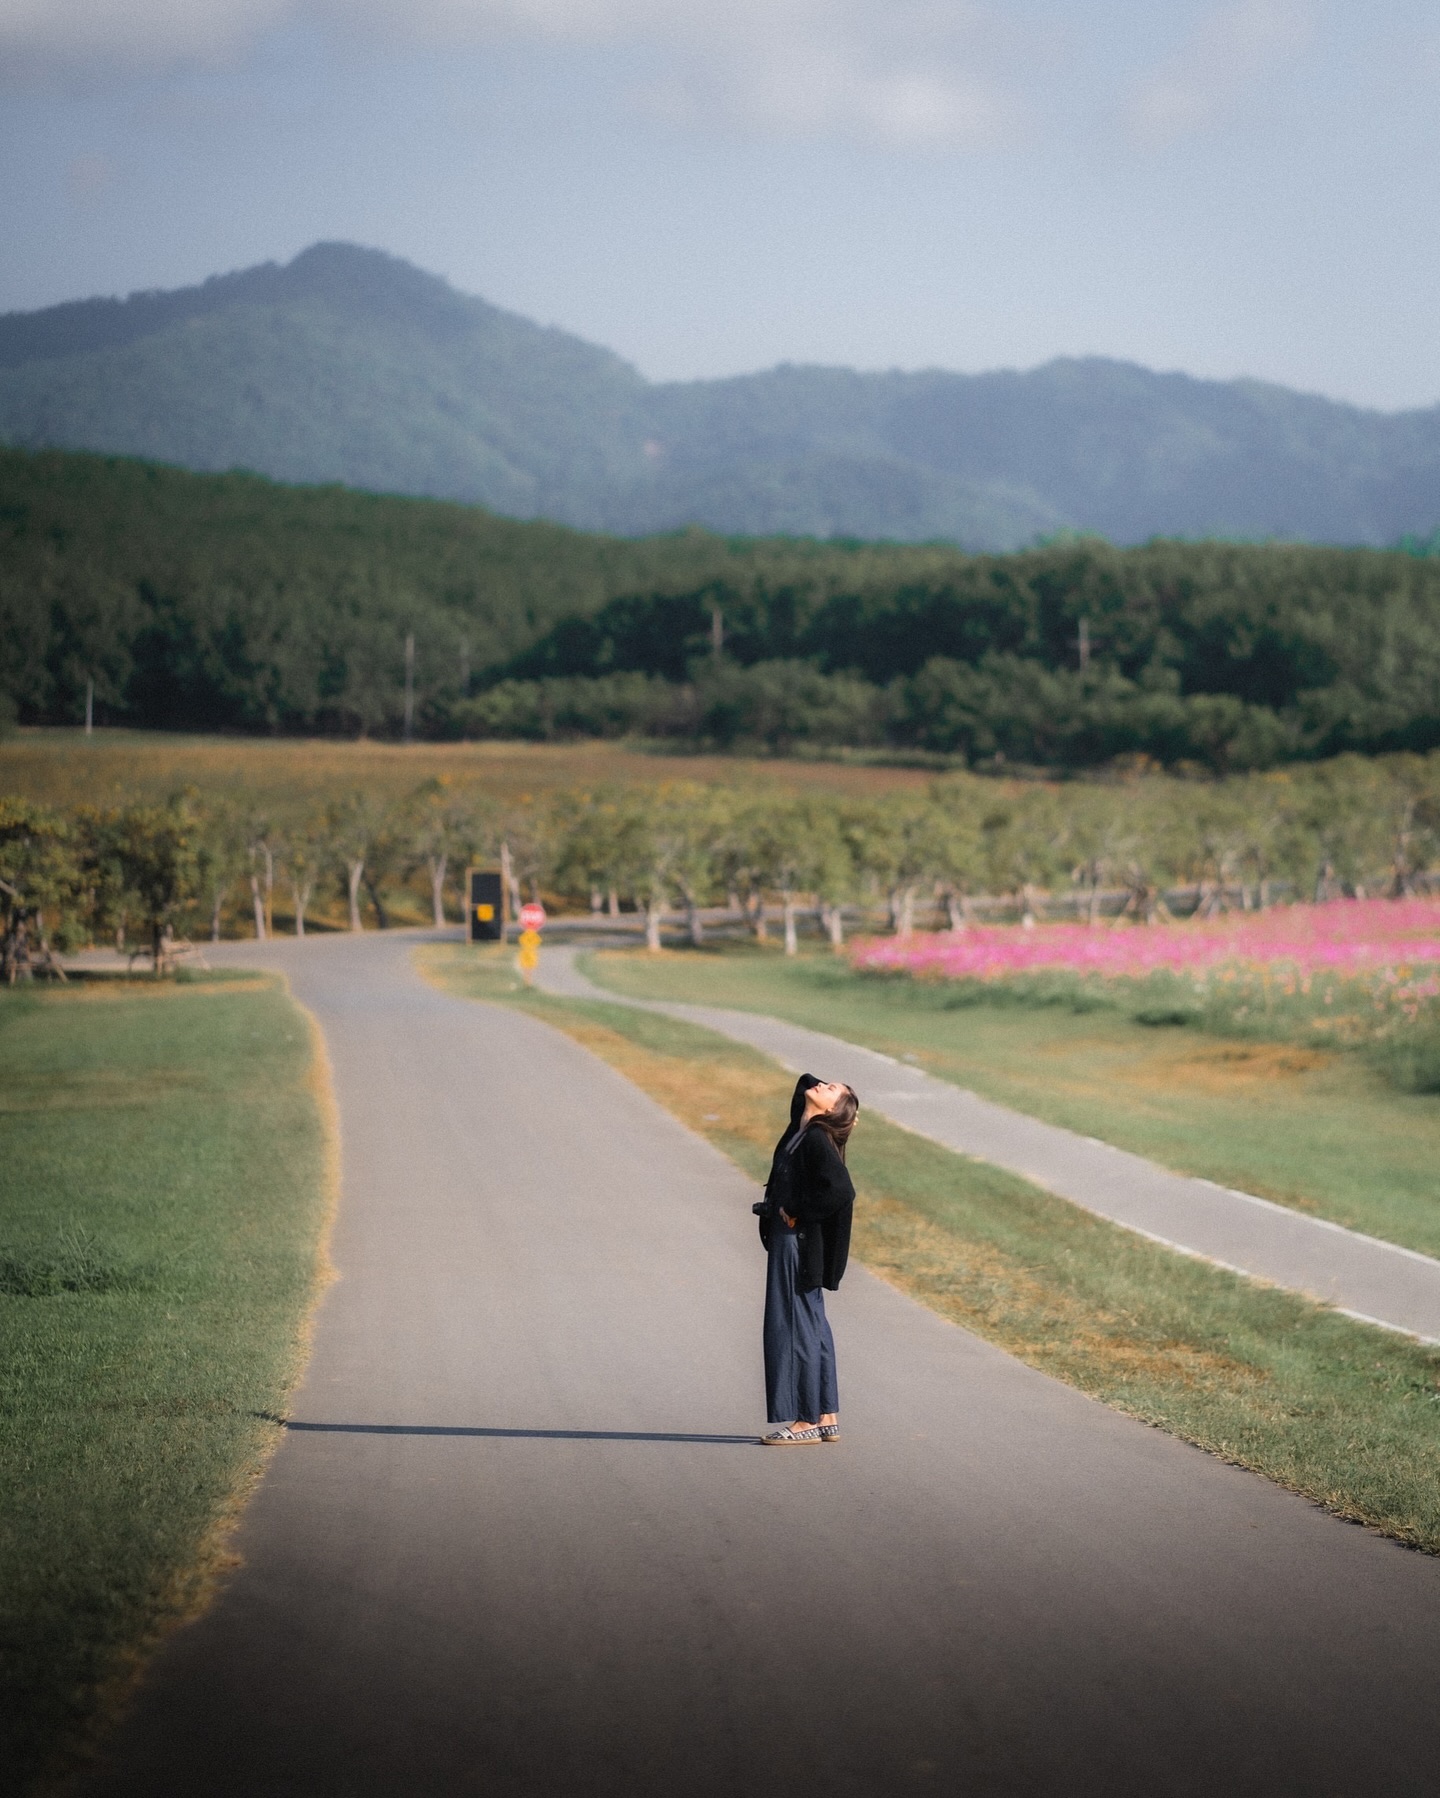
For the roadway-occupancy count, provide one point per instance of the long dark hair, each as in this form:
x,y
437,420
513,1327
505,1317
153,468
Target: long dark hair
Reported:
x,y
839,1120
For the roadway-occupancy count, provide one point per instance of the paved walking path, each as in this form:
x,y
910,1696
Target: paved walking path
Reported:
x,y
519,1542
1374,1280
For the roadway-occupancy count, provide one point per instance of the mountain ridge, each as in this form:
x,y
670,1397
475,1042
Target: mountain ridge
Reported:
x,y
349,365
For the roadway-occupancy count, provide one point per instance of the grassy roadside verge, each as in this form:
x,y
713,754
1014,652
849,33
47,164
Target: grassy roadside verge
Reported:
x,y
163,1193
1319,1130
1347,1415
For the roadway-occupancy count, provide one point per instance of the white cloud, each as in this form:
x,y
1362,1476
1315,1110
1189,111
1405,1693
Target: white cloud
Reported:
x,y
905,72
911,76
130,32
909,72
1232,47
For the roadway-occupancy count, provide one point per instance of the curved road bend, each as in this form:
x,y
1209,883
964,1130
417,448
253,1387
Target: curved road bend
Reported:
x,y
518,1543
1378,1282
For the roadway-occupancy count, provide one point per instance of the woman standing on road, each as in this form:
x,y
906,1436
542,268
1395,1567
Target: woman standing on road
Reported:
x,y
805,1227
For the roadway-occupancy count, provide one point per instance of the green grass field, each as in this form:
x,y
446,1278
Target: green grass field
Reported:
x,y
1341,1412
163,1191
1316,1129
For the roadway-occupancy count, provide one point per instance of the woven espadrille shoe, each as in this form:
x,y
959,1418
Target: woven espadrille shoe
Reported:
x,y
790,1436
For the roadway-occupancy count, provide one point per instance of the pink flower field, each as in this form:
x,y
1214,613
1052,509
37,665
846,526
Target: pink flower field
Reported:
x,y
1348,937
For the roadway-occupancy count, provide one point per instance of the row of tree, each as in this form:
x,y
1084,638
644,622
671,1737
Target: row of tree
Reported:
x,y
968,848
140,875
1006,711
971,849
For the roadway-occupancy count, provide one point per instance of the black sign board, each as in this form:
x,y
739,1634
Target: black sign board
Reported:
x,y
485,913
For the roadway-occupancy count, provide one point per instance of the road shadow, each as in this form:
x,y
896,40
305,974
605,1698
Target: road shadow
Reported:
x,y
440,1429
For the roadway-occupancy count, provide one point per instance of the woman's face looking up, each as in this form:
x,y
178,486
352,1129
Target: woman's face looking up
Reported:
x,y
822,1098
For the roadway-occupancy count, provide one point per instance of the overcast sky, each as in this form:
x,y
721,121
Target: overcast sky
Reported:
x,y
712,186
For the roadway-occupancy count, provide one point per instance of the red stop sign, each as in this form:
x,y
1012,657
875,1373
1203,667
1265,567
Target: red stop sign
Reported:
x,y
532,916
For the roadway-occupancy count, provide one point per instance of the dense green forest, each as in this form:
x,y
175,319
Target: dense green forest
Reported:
x,y
229,602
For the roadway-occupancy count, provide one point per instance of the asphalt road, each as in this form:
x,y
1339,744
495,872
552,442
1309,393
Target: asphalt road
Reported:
x,y
1378,1282
519,1540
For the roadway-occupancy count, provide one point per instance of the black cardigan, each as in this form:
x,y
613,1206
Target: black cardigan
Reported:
x,y
813,1186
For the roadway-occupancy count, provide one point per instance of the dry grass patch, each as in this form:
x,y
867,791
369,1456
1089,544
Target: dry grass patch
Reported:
x,y
93,987
982,1289
63,767
734,1103
1223,1069
1233,1067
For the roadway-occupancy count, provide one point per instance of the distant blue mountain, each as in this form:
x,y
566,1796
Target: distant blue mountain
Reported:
x,y
348,365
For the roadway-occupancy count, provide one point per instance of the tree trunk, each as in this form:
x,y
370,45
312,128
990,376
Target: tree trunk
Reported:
x,y
693,923
955,912
653,912
905,913
756,910
356,873
835,927
216,900
381,916
1027,907
438,865
791,943
508,881
47,955
16,958
301,896
269,891
612,903
259,900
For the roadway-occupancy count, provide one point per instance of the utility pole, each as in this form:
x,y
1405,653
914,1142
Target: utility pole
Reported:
x,y
409,686
717,631
90,707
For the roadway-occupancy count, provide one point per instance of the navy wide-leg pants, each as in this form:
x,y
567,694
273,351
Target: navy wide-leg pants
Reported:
x,y
799,1349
